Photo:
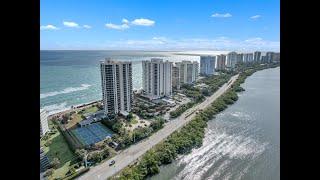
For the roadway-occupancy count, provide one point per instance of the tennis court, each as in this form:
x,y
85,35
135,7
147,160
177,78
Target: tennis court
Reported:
x,y
92,133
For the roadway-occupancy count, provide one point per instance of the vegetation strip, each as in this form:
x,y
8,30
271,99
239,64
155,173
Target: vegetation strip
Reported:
x,y
188,137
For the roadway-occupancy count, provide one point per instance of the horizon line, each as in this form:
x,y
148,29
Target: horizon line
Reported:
x,y
152,50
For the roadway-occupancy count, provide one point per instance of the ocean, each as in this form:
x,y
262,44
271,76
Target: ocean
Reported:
x,y
69,78
242,142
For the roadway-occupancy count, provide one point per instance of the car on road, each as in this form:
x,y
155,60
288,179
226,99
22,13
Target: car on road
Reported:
x,y
112,163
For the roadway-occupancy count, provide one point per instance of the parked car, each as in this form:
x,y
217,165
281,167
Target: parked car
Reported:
x,y
112,163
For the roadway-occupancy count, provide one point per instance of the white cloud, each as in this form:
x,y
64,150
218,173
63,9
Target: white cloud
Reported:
x,y
87,26
125,21
219,43
117,27
256,39
48,27
255,17
261,43
164,43
70,24
162,39
221,15
143,22
125,24
144,43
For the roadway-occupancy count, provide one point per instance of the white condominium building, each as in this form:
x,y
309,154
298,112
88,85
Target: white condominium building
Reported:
x,y
272,57
116,80
175,77
221,62
207,65
189,71
157,78
231,59
44,127
257,56
239,58
276,57
269,57
247,57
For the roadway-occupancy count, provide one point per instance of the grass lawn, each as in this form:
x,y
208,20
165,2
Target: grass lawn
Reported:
x,y
75,118
90,110
59,149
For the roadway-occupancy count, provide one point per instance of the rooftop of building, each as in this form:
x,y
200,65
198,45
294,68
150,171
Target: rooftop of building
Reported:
x,y
157,60
187,62
114,61
208,55
93,118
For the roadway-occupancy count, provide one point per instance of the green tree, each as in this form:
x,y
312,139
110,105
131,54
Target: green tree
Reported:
x,y
95,156
117,127
48,172
55,163
157,123
106,152
81,153
130,116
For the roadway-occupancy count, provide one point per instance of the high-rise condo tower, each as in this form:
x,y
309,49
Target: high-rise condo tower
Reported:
x,y
157,78
116,80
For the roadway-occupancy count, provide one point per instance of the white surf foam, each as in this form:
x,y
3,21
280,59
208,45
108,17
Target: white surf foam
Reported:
x,y
65,91
56,108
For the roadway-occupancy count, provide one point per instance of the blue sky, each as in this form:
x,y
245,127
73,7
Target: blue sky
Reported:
x,y
160,25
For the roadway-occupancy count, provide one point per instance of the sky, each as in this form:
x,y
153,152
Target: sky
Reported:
x,y
160,25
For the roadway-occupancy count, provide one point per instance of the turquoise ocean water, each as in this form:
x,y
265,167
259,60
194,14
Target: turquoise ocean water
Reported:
x,y
70,78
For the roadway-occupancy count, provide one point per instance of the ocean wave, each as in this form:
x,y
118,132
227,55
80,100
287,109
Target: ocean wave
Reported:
x,y
65,91
56,108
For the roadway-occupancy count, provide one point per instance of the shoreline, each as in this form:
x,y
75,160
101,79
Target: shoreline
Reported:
x,y
136,151
73,108
165,170
239,80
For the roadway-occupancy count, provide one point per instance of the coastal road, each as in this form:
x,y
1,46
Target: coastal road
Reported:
x,y
131,154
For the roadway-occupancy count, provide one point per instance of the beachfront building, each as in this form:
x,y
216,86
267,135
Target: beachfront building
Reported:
x,y
276,57
175,77
240,58
189,71
263,59
257,56
269,57
44,127
116,80
231,60
207,65
221,62
247,57
157,78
